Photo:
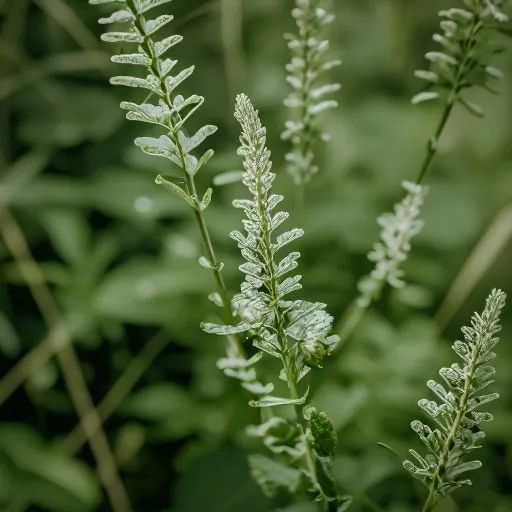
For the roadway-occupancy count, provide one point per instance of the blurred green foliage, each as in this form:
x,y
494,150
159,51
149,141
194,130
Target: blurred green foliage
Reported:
x,y
121,257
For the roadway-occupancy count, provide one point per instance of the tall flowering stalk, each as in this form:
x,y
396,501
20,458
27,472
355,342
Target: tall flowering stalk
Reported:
x,y
296,332
398,228
310,93
456,418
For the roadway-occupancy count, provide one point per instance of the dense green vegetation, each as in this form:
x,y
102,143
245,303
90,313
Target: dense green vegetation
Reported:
x,y
101,295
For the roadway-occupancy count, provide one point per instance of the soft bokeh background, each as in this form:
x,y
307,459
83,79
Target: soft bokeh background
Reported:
x,y
121,255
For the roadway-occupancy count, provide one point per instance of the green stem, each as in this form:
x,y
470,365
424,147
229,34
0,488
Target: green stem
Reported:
x,y
433,143
234,342
235,347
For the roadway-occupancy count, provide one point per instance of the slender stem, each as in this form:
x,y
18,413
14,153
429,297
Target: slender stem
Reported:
x,y
235,347
234,343
68,361
433,143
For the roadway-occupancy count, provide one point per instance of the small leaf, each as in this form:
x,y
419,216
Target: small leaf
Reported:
x,y
472,107
122,37
175,189
224,330
137,59
122,16
162,46
198,138
424,96
275,401
152,26
205,202
174,81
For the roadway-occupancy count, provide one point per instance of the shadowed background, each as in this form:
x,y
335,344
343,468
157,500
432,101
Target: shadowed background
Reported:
x,y
119,255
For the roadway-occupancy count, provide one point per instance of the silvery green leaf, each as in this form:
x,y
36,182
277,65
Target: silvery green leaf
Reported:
x,y
223,330
177,190
174,81
163,46
205,202
99,2
122,37
289,285
318,108
288,264
256,388
441,57
146,113
190,143
275,401
288,237
472,107
122,16
137,59
429,76
463,467
231,362
163,146
148,83
494,72
278,219
143,6
319,92
216,299
152,26
166,66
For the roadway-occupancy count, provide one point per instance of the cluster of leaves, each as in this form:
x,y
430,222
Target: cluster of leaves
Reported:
x,y
457,419
172,110
307,100
466,49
